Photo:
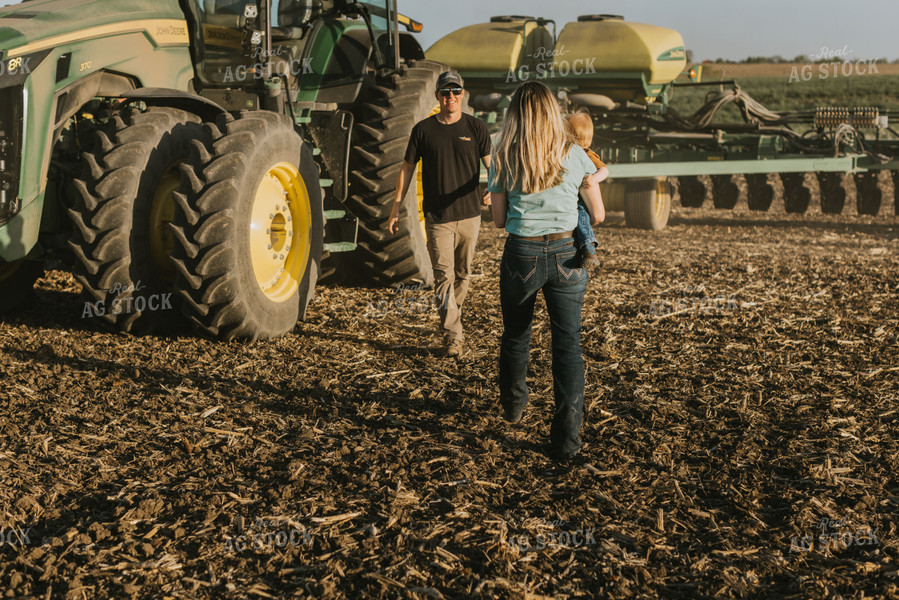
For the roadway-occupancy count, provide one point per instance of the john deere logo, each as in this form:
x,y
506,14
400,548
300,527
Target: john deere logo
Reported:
x,y
674,54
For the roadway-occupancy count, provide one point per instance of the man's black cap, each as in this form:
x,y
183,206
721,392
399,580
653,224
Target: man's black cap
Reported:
x,y
449,77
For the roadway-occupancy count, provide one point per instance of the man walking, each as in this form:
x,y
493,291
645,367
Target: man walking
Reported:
x,y
449,145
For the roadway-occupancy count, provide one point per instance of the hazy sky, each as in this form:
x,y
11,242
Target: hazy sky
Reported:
x,y
711,28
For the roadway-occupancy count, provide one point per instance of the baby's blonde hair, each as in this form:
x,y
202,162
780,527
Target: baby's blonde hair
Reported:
x,y
580,126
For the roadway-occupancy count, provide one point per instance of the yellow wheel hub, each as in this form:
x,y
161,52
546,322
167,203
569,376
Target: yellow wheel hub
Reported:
x,y
280,225
161,214
663,196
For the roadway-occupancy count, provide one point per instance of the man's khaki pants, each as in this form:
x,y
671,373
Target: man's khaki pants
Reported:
x,y
451,246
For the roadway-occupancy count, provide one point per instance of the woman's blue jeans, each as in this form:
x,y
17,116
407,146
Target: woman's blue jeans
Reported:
x,y
528,267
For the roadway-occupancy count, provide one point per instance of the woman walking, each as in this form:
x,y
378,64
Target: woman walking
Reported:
x,y
535,175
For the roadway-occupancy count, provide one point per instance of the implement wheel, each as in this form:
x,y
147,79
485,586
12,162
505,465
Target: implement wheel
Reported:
x,y
760,193
248,227
833,192
647,203
796,196
692,191
725,192
868,193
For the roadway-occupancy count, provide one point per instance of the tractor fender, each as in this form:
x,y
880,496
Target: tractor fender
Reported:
x,y
71,98
410,49
205,108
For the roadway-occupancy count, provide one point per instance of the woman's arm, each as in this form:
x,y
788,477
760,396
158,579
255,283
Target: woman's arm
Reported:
x,y
592,200
499,204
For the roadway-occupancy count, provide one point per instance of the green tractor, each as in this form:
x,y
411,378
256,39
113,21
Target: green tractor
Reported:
x,y
214,158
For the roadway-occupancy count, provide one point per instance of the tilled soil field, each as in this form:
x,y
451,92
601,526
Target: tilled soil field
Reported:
x,y
740,436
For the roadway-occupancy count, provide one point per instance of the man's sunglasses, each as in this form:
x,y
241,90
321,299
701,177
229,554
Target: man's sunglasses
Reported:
x,y
456,91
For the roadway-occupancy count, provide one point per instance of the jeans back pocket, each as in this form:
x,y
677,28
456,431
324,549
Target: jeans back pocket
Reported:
x,y
568,264
521,268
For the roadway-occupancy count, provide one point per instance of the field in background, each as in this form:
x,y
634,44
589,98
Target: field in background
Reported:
x,y
771,85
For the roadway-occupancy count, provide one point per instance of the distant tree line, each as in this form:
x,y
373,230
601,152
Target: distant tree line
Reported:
x,y
778,59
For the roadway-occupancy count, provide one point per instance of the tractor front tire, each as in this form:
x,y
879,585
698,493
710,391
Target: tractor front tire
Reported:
x,y
121,214
248,228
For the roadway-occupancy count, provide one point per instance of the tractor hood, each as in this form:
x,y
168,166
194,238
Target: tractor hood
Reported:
x,y
40,24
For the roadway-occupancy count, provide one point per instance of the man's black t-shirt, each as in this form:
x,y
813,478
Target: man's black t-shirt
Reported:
x,y
450,156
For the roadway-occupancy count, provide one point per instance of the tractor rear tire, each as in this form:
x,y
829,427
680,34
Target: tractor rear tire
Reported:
x,y
647,203
385,115
124,202
248,228
17,281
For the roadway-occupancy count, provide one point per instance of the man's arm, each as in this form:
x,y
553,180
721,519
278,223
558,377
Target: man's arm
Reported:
x,y
402,186
486,161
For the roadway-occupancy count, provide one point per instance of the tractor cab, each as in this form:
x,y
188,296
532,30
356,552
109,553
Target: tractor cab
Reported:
x,y
256,47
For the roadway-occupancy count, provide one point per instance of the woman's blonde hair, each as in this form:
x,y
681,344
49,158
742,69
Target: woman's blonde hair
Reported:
x,y
533,141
